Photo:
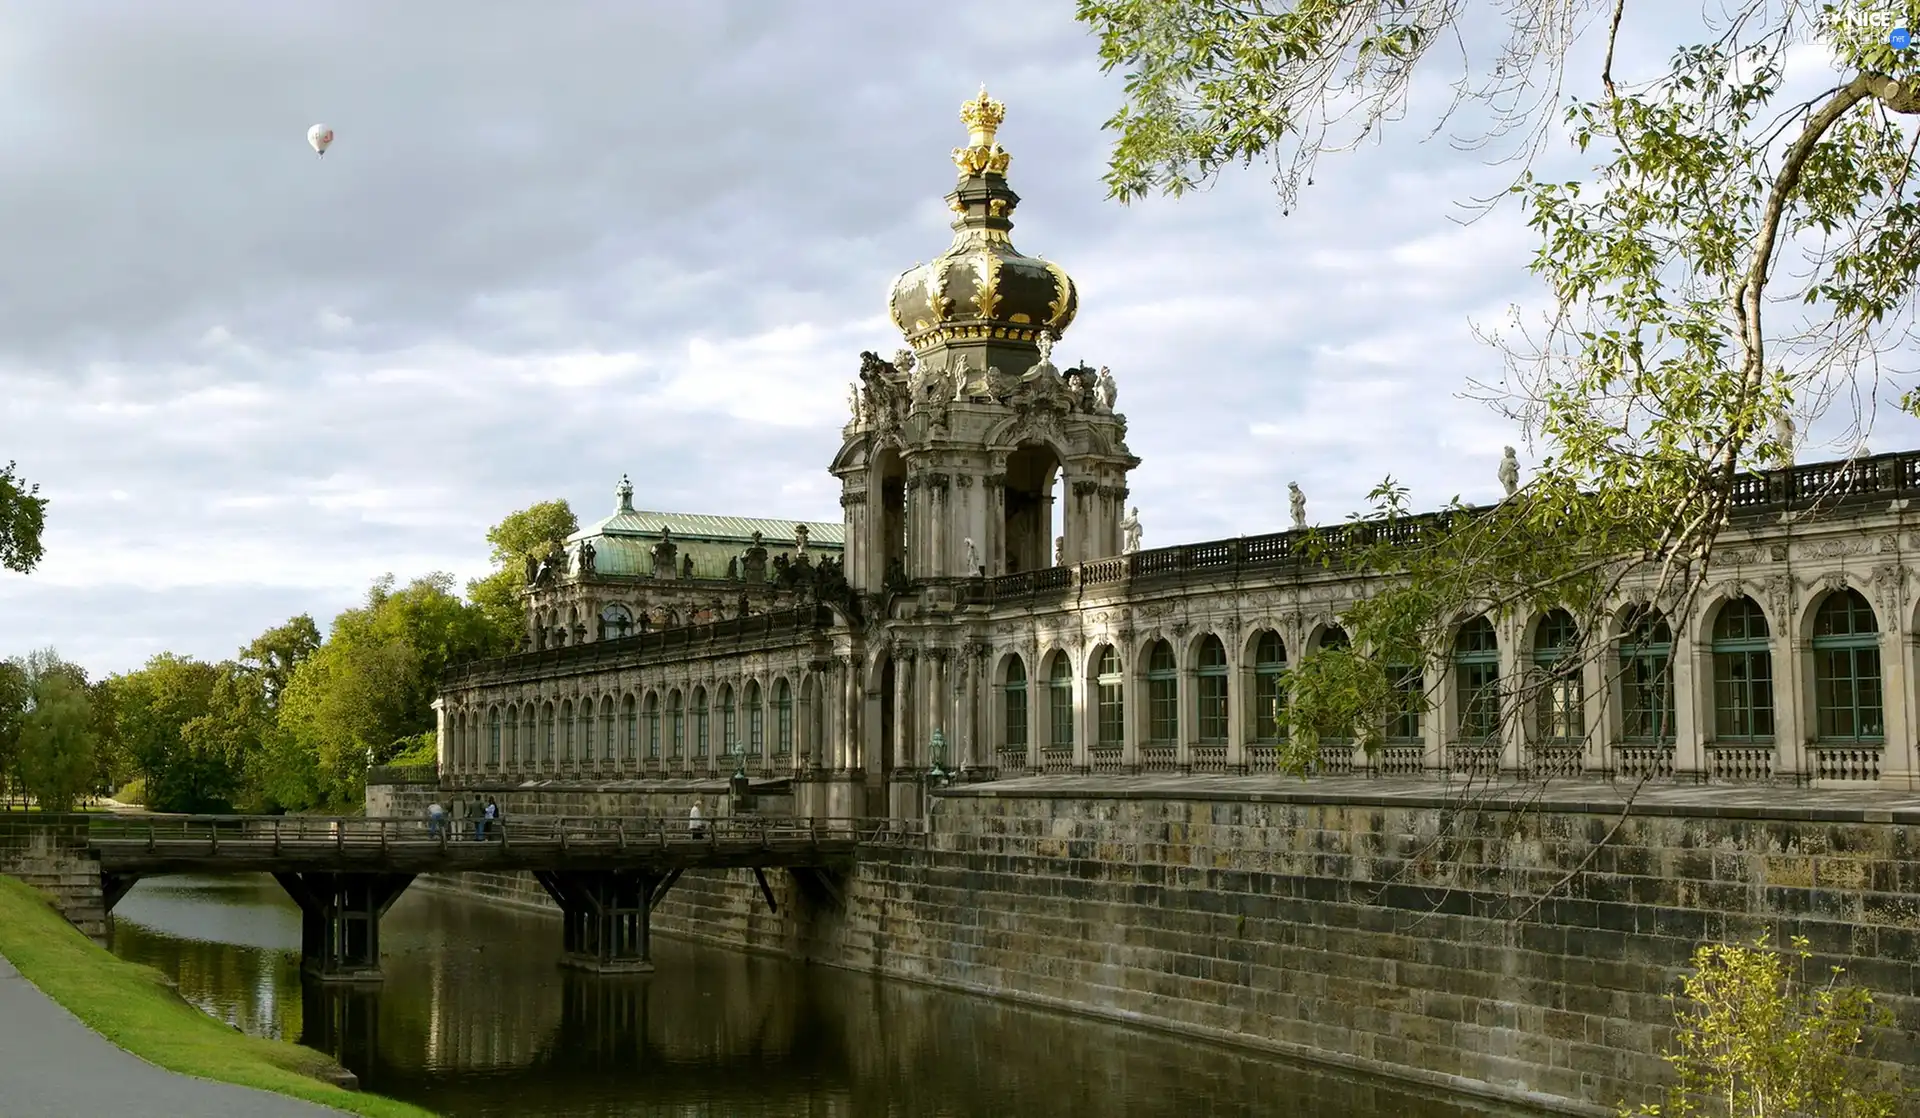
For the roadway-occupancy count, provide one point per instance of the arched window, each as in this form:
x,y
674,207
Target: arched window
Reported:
x,y
493,736
676,725
782,718
615,622
1060,703
1163,696
653,728
729,723
1560,713
1013,728
1846,669
1269,665
756,721
1110,692
700,722
1476,667
1646,679
609,733
1334,639
1742,673
546,748
1212,680
1406,721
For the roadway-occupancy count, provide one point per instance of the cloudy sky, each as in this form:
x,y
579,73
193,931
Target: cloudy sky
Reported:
x,y
558,242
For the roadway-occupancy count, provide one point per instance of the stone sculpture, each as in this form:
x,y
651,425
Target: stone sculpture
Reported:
x,y
1107,390
586,557
754,565
1509,471
533,569
1044,343
1784,434
686,566
1130,531
973,556
1059,551
799,540
664,554
853,401
1299,502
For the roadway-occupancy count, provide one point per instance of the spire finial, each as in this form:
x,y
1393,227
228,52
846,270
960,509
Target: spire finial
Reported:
x,y
982,156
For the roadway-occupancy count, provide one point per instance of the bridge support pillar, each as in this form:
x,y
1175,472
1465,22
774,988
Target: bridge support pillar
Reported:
x,y
340,921
607,916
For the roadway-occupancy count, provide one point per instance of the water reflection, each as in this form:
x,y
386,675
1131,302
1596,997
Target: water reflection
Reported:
x,y
476,1018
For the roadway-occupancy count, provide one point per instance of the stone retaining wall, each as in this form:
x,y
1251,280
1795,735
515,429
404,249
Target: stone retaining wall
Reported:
x,y
49,852
1398,936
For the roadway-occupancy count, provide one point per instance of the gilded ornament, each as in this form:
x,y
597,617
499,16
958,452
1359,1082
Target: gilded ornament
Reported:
x,y
986,270
936,281
958,206
1061,307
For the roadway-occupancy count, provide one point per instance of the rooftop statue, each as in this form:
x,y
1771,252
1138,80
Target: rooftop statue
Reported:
x,y
1299,502
1130,532
1509,471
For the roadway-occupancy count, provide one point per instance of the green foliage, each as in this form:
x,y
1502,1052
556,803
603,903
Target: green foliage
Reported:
x,y
531,533
23,516
275,654
1733,259
1755,1039
164,715
132,792
16,695
370,688
420,749
56,743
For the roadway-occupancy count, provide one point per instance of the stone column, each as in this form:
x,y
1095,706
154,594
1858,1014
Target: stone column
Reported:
x,y
448,760
1794,721
902,710
1241,687
1039,696
1186,730
1513,728
1689,752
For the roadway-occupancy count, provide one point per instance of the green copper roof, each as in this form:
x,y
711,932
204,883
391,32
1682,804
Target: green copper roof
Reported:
x,y
702,526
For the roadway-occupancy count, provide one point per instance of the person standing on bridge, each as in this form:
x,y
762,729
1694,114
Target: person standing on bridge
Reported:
x,y
479,816
436,815
696,826
493,815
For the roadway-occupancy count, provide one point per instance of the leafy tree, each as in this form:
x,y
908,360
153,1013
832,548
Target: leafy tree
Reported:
x,y
23,516
16,696
370,688
56,743
184,770
275,654
1739,258
1754,1039
533,532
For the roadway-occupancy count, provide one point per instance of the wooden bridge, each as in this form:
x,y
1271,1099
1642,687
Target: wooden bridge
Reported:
x,y
606,875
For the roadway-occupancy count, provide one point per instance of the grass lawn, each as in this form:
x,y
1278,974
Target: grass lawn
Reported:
x,y
134,1007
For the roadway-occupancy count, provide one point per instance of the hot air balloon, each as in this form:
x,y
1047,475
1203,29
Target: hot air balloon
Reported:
x,y
318,137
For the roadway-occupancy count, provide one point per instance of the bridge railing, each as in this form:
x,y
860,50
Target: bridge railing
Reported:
x,y
362,832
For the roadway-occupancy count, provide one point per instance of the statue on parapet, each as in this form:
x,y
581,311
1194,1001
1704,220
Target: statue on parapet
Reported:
x,y
1130,532
753,567
799,540
1299,502
1106,391
1044,343
587,557
1784,434
665,553
972,556
1509,471
1059,551
686,566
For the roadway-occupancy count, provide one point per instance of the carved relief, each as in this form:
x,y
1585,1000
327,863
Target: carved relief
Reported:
x,y
1733,558
1835,549
1887,592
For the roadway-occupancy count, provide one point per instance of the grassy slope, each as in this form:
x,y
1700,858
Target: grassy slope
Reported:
x,y
134,1007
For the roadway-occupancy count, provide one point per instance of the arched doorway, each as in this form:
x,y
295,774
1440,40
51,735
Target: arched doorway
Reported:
x,y
1034,476
888,527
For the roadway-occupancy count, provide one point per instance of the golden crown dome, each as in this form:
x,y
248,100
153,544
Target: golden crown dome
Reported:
x,y
982,290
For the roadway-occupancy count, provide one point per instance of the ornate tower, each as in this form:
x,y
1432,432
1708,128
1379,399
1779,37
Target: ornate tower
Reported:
x,y
958,446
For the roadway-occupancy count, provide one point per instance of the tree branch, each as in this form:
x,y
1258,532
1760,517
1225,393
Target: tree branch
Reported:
x,y
1613,35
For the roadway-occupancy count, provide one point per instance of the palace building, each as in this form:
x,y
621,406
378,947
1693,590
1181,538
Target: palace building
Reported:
x,y
982,612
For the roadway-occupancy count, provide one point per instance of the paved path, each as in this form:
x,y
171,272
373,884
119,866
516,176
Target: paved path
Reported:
x,y
52,1066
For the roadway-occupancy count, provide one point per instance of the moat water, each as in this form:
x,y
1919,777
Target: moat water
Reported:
x,y
476,1017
